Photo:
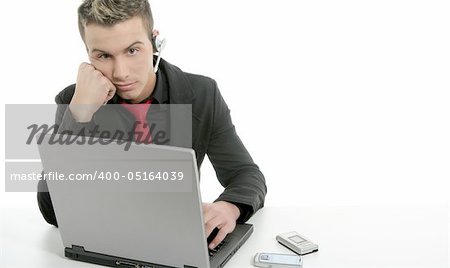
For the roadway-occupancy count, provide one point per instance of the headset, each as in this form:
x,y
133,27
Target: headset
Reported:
x,y
158,45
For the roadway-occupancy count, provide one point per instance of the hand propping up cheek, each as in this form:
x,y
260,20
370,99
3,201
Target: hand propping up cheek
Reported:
x,y
92,90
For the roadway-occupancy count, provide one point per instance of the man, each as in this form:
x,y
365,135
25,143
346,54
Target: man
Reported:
x,y
119,40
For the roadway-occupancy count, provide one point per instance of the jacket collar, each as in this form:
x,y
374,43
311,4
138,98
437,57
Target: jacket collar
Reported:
x,y
180,90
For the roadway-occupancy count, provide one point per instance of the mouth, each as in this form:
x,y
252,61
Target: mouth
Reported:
x,y
125,86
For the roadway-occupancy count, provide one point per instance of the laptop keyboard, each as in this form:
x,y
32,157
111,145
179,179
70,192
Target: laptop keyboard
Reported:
x,y
212,252
211,237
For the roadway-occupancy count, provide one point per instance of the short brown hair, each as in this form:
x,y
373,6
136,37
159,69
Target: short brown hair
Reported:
x,y
111,12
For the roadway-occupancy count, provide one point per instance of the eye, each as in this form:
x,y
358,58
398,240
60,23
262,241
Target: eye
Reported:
x,y
132,51
103,56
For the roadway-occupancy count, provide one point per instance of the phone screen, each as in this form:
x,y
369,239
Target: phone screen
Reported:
x,y
280,258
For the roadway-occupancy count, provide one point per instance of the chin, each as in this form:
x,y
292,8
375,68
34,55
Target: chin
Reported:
x,y
130,95
126,96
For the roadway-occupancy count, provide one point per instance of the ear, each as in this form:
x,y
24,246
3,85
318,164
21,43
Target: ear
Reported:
x,y
155,34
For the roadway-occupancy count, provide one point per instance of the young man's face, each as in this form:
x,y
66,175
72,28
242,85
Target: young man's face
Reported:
x,y
123,53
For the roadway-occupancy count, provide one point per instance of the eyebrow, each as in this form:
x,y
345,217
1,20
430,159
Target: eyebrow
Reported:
x,y
102,51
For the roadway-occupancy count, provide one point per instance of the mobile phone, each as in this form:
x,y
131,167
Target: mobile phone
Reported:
x,y
277,260
297,243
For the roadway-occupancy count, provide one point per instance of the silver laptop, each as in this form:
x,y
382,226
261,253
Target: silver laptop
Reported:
x,y
134,207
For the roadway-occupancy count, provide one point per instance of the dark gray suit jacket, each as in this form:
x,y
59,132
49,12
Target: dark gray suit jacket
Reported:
x,y
213,133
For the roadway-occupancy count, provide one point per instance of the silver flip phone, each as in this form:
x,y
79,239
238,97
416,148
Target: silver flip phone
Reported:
x,y
273,260
297,243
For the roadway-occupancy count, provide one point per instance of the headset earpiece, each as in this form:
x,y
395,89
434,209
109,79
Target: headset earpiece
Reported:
x,y
159,44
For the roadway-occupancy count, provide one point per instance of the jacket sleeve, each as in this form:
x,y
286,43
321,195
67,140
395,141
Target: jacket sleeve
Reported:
x,y
243,181
45,203
64,122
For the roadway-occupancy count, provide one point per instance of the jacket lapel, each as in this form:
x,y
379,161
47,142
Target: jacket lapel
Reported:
x,y
183,120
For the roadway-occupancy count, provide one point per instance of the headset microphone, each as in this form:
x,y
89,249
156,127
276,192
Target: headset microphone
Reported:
x,y
160,43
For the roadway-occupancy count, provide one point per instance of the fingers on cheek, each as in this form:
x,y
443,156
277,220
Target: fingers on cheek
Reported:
x,y
83,66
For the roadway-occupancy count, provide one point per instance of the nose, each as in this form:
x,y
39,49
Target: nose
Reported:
x,y
120,70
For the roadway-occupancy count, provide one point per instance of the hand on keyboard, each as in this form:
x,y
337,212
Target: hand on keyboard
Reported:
x,y
220,215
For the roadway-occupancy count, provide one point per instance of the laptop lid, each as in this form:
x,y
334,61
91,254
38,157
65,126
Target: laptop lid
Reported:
x,y
131,218
141,204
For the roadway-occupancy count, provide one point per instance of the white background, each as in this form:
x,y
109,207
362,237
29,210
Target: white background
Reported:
x,y
338,102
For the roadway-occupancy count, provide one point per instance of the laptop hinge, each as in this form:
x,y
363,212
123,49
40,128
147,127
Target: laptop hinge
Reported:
x,y
77,248
74,252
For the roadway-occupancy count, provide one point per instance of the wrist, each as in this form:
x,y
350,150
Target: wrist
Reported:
x,y
79,115
236,212
81,112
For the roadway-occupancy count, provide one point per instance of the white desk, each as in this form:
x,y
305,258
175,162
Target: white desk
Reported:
x,y
347,237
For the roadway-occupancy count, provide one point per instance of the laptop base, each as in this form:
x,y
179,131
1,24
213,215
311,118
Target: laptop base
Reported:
x,y
79,254
238,237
